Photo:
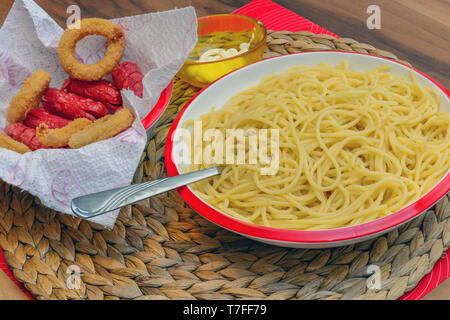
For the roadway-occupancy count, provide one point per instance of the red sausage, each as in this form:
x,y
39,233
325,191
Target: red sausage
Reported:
x,y
128,76
24,134
72,106
100,90
40,115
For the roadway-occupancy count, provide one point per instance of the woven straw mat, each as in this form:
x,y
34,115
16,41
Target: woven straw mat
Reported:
x,y
161,249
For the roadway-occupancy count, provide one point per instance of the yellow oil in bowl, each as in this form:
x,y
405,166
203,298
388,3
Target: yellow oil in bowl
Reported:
x,y
225,43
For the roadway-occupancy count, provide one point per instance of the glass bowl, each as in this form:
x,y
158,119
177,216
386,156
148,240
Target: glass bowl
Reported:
x,y
224,31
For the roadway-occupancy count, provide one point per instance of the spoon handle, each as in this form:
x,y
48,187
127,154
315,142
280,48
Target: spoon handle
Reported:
x,y
95,204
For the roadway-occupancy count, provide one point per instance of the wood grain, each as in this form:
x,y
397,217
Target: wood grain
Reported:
x,y
442,292
8,289
410,29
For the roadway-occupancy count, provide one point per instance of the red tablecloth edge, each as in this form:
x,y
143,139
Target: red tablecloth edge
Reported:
x,y
5,268
276,17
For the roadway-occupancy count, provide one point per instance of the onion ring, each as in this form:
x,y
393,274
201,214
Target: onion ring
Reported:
x,y
28,97
91,26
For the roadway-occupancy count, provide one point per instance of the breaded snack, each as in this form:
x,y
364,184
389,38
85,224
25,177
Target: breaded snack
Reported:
x,y
29,96
90,26
57,138
11,144
103,128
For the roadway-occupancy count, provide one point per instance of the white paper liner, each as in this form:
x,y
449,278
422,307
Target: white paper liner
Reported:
x,y
158,43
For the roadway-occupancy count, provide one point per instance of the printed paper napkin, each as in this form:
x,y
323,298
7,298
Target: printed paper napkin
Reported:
x,y
158,42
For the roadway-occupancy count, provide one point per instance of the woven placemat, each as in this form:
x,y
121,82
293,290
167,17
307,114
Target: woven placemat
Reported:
x,y
161,249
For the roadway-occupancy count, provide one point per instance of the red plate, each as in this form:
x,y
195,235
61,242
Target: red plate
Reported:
x,y
301,238
160,106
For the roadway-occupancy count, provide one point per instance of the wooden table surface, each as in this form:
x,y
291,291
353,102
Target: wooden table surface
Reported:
x,y
415,30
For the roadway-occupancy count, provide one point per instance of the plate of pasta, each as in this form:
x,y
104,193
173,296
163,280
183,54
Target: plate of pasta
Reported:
x,y
356,146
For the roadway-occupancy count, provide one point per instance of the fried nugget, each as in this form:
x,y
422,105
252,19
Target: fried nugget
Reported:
x,y
11,144
29,96
57,138
103,128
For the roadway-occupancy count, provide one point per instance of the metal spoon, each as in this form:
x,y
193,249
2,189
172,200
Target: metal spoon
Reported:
x,y
95,204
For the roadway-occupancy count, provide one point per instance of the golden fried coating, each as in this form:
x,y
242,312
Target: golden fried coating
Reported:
x,y
29,96
57,138
9,143
90,26
103,128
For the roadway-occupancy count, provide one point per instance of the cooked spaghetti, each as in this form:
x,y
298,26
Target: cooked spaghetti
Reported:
x,y
353,147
